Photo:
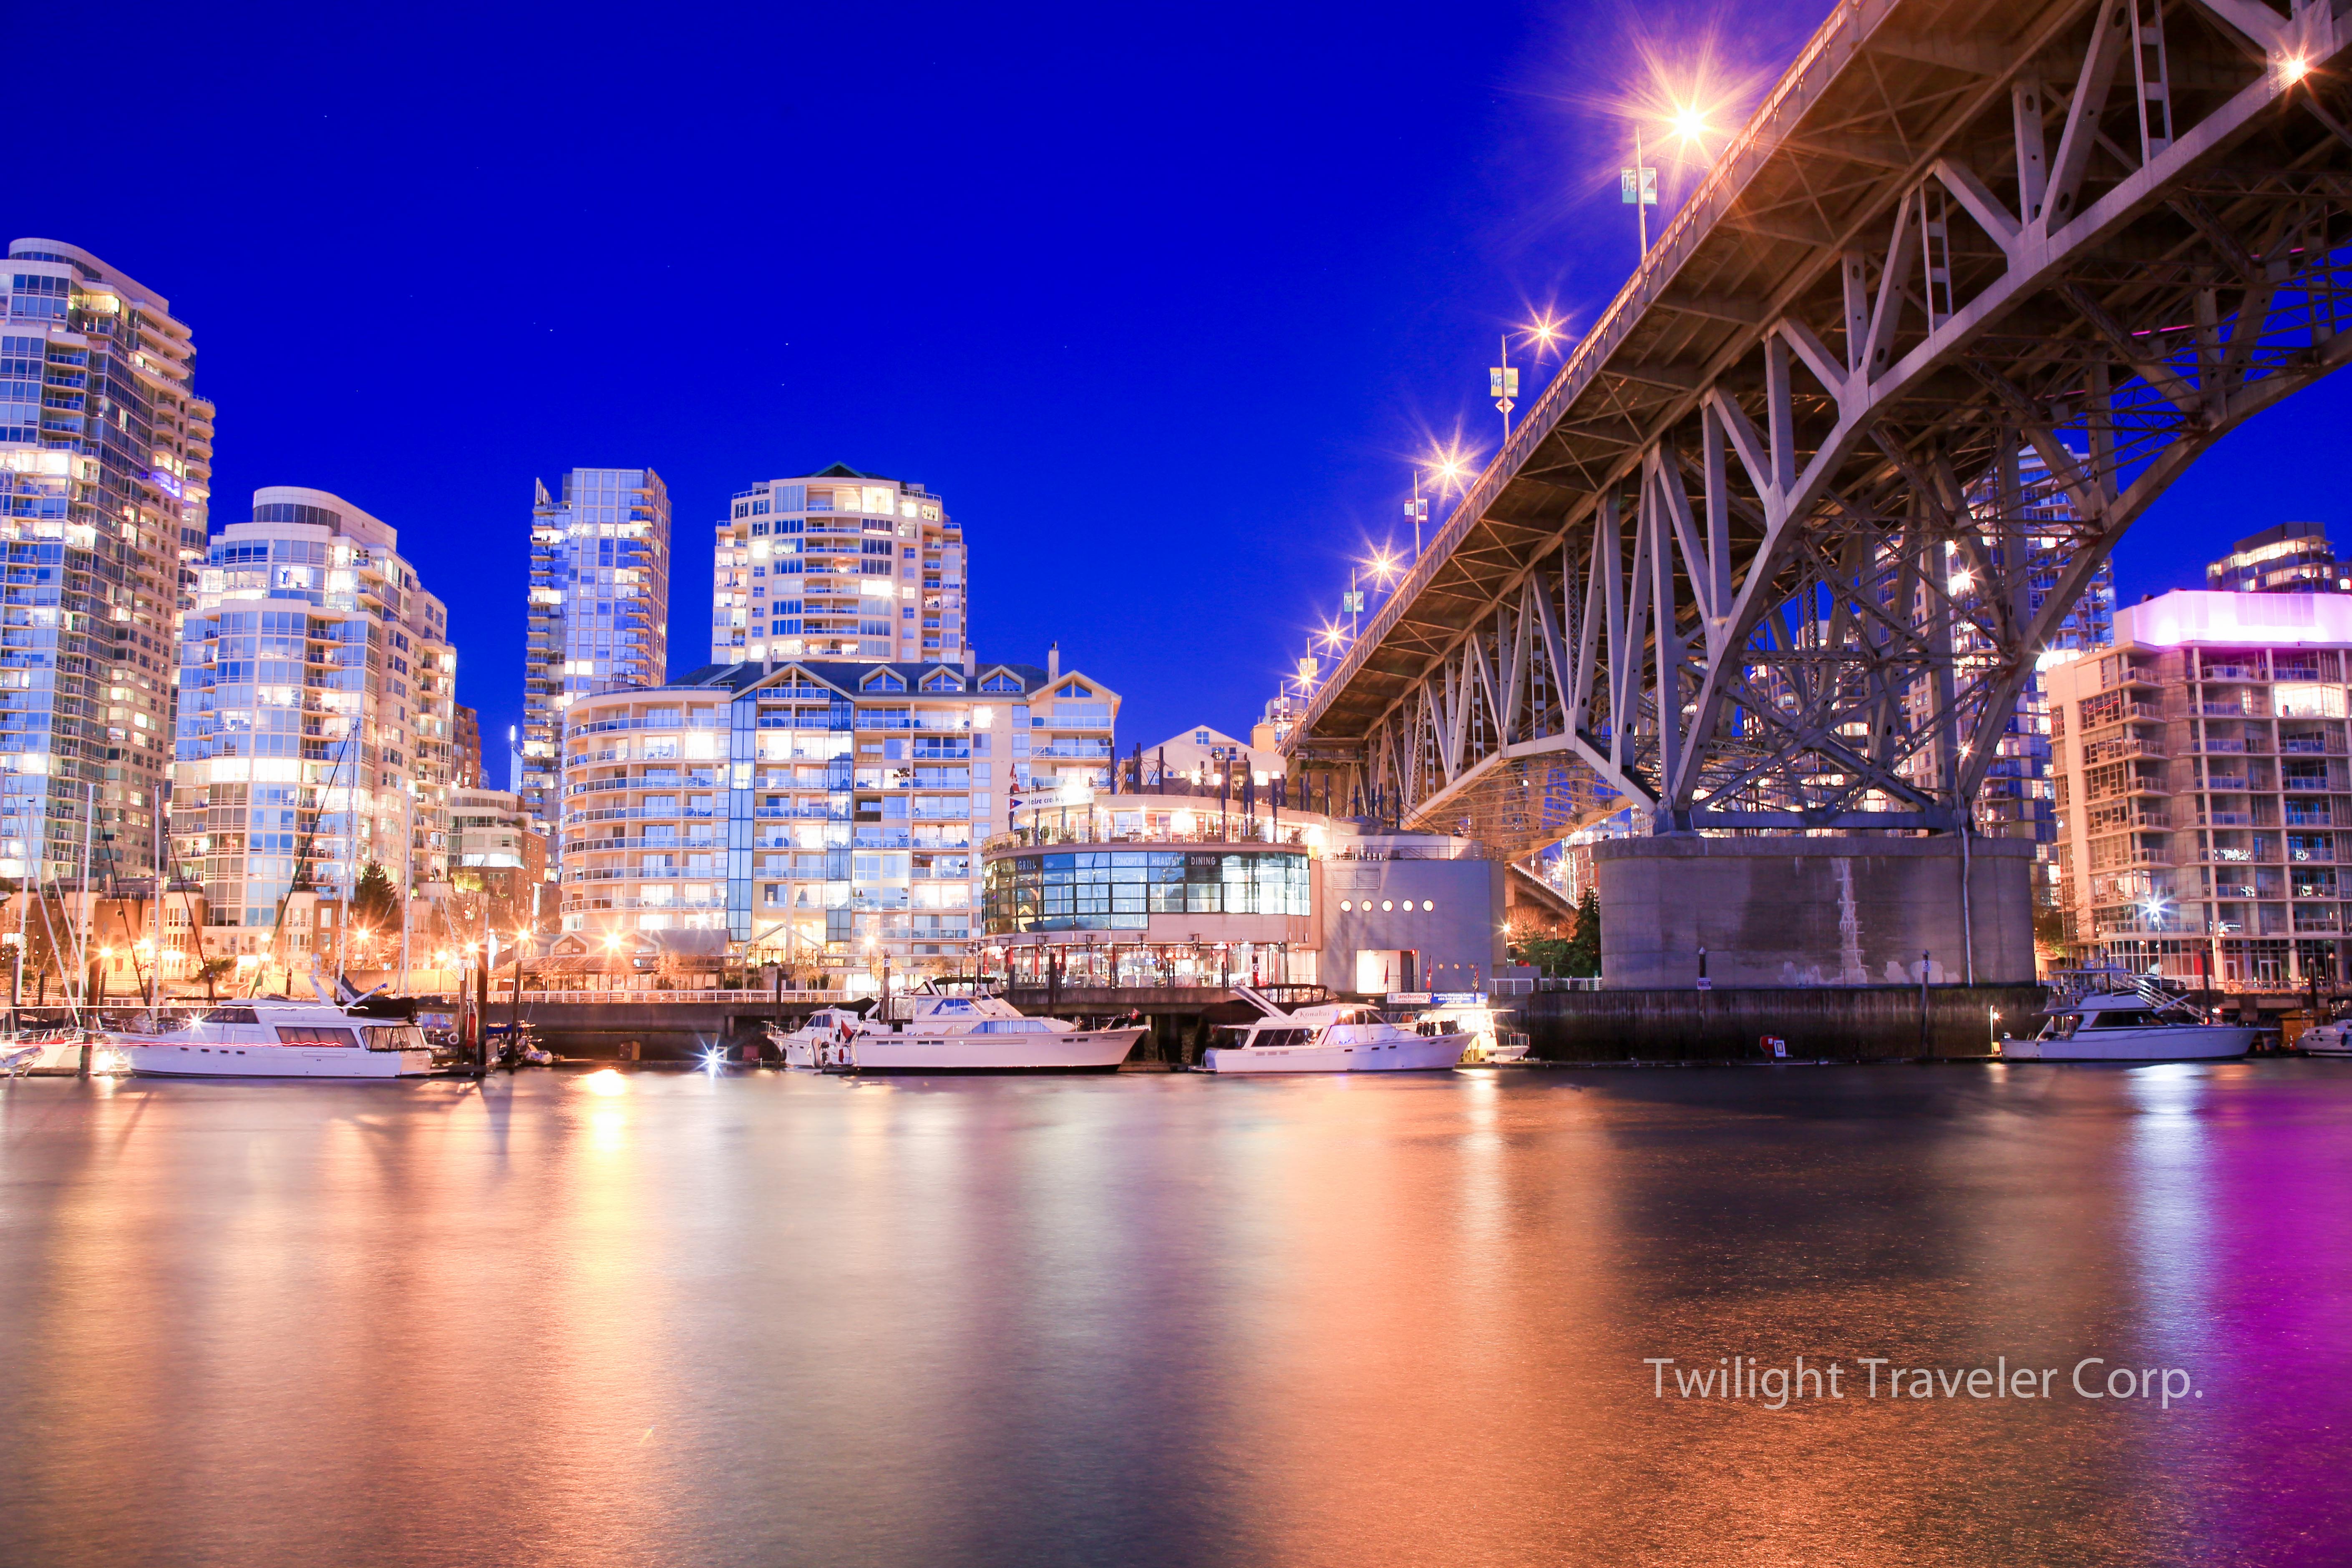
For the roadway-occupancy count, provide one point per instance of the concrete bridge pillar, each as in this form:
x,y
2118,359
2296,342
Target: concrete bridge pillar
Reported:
x,y
1773,912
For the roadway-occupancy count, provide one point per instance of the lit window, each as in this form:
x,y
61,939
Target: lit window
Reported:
x,y
1346,907
1386,906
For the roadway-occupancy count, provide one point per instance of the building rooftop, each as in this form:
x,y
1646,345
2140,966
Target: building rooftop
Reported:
x,y
846,674
2203,616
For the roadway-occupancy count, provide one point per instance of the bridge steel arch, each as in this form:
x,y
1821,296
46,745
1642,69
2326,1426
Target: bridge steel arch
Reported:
x,y
1770,552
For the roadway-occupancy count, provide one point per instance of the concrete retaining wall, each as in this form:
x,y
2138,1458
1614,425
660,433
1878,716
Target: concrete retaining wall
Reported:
x,y
1843,911
1840,1023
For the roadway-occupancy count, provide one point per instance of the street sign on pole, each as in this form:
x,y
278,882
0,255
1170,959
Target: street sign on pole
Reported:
x,y
1648,186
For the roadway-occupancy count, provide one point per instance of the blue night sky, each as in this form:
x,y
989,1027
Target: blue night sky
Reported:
x,y
1163,302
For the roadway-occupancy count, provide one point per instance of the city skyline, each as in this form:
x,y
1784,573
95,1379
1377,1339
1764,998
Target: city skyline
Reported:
x,y
1268,410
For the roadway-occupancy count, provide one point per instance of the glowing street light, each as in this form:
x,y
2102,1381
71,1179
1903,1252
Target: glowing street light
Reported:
x,y
1545,332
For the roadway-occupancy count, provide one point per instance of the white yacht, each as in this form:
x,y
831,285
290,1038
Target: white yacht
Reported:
x,y
1334,1036
2130,1027
2331,1039
1492,1041
932,1033
273,1037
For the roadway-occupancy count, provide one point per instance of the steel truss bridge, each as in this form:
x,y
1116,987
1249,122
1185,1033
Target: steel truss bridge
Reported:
x,y
1775,548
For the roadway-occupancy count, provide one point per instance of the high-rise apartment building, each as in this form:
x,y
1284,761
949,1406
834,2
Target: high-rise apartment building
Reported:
x,y
838,564
2203,787
824,814
2292,558
599,612
316,714
106,466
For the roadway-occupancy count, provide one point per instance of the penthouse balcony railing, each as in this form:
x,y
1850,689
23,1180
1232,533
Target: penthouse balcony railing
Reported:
x,y
573,845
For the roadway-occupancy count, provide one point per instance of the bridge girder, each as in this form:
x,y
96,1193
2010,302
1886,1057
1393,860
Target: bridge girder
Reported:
x,y
1779,545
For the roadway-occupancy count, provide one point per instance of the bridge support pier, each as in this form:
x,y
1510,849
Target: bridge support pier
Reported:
x,y
1783,911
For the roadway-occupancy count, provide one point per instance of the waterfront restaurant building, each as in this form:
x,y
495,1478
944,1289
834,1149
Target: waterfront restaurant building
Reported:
x,y
2203,795
1176,882
824,815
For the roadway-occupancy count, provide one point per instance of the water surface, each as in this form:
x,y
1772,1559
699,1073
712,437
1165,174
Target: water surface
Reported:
x,y
668,1318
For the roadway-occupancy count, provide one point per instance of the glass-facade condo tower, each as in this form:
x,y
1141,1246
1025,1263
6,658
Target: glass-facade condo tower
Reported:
x,y
105,466
599,607
316,712
837,564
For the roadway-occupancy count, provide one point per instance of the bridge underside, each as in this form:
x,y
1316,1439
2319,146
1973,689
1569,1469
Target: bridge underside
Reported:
x,y
1779,548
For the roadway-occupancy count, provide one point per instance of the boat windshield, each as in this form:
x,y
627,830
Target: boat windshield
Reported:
x,y
394,1037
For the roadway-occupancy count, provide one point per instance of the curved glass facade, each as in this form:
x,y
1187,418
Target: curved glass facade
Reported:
x,y
1122,890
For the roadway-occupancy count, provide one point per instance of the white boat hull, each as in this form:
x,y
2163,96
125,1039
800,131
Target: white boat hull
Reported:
x,y
2201,1042
1080,1050
270,1062
2327,1040
1418,1053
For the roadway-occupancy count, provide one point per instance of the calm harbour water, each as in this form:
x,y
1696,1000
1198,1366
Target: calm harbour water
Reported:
x,y
668,1318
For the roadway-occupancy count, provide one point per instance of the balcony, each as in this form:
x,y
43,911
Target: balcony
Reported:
x,y
2146,713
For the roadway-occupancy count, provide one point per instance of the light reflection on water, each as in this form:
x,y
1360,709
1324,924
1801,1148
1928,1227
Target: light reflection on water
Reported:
x,y
712,1319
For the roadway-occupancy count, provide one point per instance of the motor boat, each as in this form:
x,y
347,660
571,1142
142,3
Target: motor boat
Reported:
x,y
1334,1036
2330,1039
2143,1025
273,1037
821,1040
1471,1013
932,1032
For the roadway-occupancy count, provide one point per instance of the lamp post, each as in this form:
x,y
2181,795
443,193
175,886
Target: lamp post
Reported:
x,y
1638,186
1503,385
